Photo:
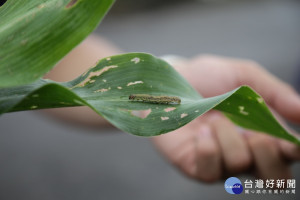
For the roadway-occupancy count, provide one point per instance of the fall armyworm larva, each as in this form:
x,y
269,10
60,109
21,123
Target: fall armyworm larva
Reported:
x,y
155,99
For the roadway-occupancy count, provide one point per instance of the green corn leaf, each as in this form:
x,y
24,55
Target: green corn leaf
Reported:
x,y
106,88
36,34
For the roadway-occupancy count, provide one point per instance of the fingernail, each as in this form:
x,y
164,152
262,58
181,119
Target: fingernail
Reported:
x,y
205,132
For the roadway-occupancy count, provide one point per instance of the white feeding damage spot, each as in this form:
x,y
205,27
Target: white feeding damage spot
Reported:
x,y
41,6
94,74
135,82
141,113
169,109
183,115
260,100
136,60
196,111
103,90
120,88
242,110
108,59
33,107
164,118
104,80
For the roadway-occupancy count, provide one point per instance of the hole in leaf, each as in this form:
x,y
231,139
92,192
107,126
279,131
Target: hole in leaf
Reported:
x,y
141,113
2,2
71,3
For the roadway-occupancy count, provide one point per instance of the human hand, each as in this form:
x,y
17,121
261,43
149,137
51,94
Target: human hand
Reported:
x,y
211,147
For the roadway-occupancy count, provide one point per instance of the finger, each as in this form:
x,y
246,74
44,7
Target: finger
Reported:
x,y
289,150
277,94
208,156
267,157
81,58
234,148
193,150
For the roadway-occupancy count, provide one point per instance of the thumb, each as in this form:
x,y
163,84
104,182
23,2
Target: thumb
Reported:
x,y
279,95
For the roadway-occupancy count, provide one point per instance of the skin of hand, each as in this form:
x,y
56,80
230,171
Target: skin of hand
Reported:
x,y
211,148
80,59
